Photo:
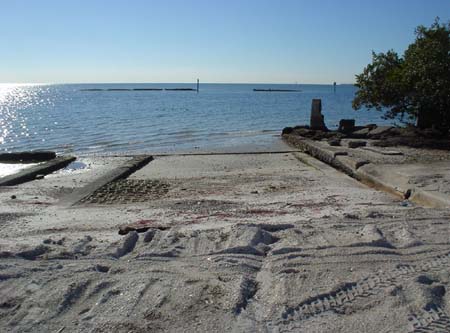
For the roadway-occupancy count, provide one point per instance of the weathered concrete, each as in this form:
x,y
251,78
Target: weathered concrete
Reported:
x,y
317,119
27,156
123,171
36,171
426,183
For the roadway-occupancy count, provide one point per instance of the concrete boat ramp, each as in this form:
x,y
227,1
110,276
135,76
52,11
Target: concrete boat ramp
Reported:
x,y
266,241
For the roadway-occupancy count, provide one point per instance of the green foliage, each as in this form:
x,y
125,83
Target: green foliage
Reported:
x,y
415,86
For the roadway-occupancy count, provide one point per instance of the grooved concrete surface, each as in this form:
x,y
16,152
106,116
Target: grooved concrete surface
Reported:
x,y
241,243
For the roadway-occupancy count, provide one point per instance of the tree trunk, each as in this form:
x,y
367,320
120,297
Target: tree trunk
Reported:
x,y
426,119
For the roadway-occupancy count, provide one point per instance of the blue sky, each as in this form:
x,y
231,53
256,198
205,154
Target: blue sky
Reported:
x,y
284,41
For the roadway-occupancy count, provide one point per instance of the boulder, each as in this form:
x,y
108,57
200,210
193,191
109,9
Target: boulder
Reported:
x,y
287,130
356,144
346,125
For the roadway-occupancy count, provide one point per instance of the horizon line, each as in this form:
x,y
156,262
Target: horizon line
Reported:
x,y
193,82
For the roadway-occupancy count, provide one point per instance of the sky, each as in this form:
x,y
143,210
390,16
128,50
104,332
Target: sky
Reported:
x,y
229,41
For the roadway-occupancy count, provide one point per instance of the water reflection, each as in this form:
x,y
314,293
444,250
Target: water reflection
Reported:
x,y
14,122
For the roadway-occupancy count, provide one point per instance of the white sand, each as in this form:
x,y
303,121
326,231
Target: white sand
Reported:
x,y
257,243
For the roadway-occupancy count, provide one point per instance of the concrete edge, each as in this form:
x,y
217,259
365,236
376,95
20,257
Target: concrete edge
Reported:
x,y
328,157
342,163
268,152
41,169
374,182
421,197
121,172
28,156
430,199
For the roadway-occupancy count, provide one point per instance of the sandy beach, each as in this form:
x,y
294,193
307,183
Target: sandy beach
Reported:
x,y
247,242
225,166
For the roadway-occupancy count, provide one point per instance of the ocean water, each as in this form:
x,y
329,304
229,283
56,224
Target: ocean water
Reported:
x,y
68,119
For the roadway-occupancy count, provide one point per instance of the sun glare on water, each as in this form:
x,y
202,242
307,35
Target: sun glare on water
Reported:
x,y
13,99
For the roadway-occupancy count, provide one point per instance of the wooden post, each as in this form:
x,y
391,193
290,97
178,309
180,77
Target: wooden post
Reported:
x,y
198,85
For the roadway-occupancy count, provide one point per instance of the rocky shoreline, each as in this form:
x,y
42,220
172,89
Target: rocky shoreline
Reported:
x,y
385,136
397,160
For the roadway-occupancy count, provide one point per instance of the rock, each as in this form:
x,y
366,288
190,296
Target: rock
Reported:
x,y
346,125
379,131
287,130
13,197
356,144
361,133
407,194
334,142
317,119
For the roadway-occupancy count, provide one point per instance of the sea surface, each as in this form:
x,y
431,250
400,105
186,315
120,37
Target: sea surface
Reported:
x,y
69,118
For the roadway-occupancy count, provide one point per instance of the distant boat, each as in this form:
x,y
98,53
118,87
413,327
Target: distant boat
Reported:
x,y
276,90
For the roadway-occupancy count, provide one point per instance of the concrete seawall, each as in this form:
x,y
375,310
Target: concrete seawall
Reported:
x,y
405,180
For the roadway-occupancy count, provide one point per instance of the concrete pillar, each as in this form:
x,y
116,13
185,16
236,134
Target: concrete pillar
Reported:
x,y
317,119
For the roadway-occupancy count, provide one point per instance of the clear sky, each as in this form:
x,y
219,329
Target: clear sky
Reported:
x,y
276,41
